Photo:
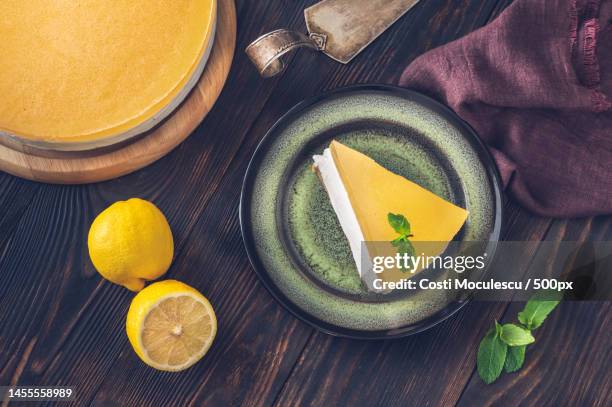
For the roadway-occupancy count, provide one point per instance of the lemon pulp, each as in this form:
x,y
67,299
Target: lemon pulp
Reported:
x,y
176,330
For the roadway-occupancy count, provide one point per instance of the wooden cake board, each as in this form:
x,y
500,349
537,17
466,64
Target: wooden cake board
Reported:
x,y
92,166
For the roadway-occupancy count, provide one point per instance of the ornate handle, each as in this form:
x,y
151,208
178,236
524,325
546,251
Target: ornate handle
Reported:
x,y
267,51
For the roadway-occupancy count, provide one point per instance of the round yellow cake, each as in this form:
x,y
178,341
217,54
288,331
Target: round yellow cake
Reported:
x,y
78,71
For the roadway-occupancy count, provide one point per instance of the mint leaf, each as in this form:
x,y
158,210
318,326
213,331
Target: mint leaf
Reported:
x,y
404,246
536,310
397,241
515,335
515,358
399,223
491,357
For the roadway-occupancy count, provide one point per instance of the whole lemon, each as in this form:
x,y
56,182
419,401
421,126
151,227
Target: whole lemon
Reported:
x,y
130,242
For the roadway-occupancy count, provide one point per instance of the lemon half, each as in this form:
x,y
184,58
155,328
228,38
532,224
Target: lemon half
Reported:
x,y
171,325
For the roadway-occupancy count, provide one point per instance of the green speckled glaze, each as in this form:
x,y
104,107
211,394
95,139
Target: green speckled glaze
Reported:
x,y
317,234
296,235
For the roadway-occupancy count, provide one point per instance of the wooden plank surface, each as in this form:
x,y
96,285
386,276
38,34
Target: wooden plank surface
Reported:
x,y
60,324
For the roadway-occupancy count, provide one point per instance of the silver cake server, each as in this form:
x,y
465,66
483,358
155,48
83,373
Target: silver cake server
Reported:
x,y
339,28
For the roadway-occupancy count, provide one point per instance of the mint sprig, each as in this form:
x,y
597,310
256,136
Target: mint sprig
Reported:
x,y
504,347
400,224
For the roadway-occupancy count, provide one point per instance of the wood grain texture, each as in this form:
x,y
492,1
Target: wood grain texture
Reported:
x,y
92,166
15,196
61,324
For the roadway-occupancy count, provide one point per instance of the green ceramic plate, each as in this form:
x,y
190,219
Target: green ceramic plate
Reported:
x,y
291,232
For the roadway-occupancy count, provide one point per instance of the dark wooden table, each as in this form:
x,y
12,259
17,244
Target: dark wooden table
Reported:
x,y
61,324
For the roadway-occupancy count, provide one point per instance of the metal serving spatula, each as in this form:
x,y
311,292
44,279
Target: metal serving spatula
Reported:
x,y
339,28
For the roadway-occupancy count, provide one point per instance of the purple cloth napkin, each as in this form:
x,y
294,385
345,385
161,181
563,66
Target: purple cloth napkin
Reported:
x,y
536,85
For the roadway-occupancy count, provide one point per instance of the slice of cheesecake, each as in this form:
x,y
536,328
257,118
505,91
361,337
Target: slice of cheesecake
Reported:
x,y
363,193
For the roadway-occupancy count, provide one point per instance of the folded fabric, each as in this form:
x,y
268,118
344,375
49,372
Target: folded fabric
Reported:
x,y
536,85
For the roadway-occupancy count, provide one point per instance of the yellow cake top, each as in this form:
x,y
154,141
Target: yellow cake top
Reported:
x,y
374,192
83,70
